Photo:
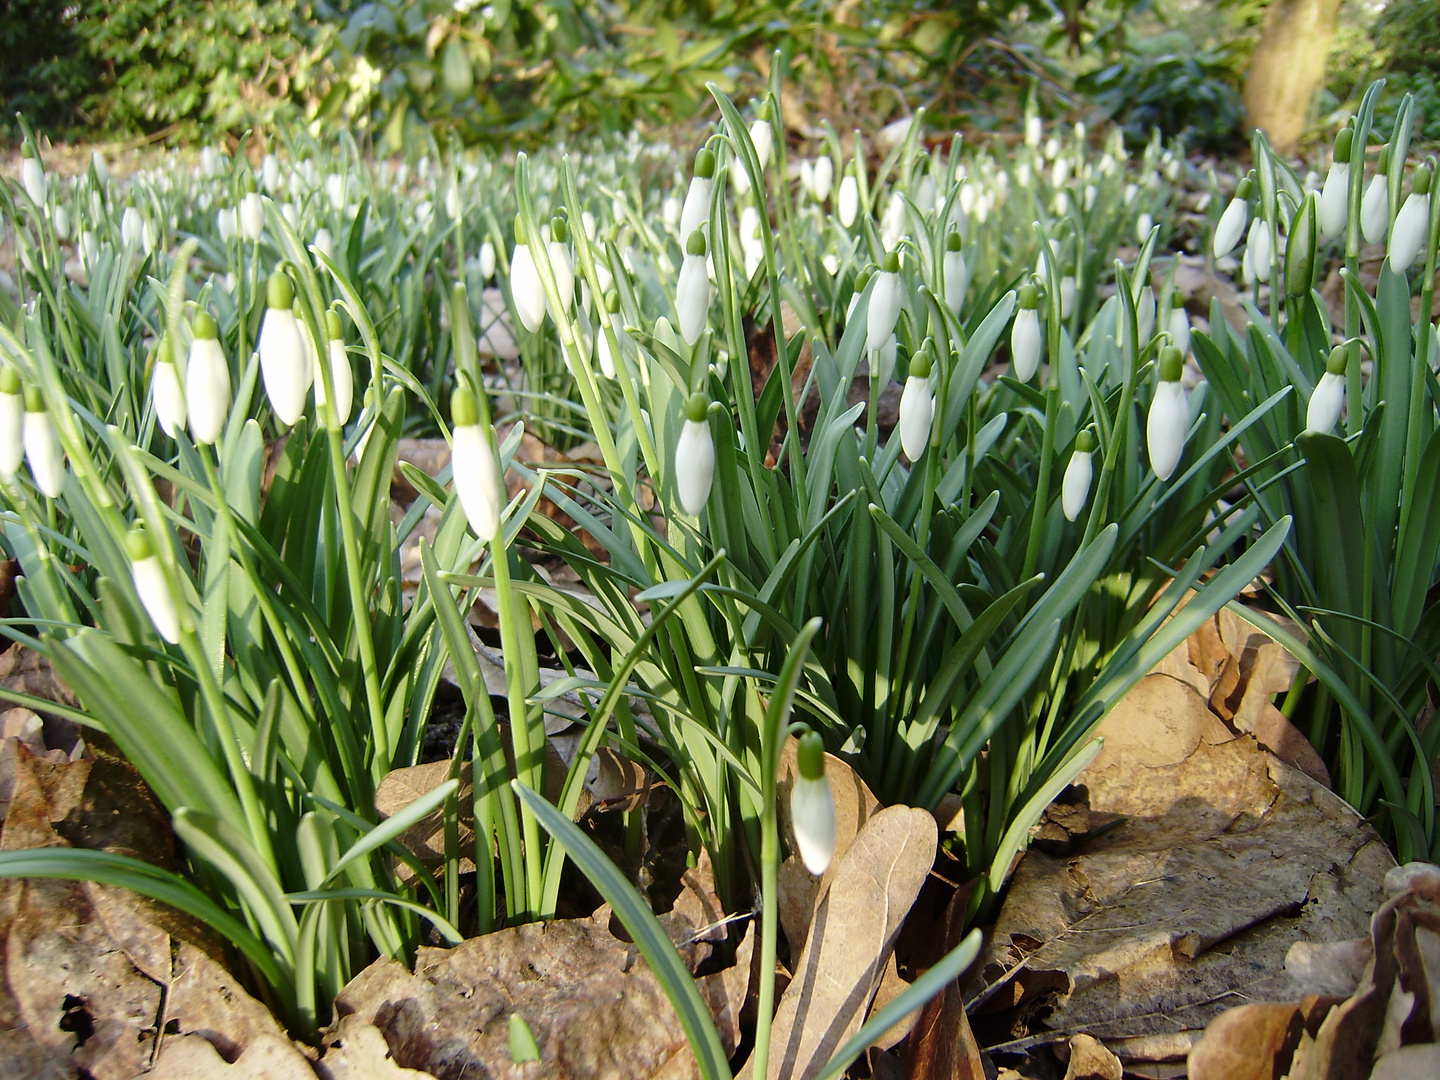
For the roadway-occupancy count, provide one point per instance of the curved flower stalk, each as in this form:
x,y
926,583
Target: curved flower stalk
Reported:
x,y
884,310
1328,397
166,392
42,446
1168,423
1412,224
1375,206
152,586
917,406
692,292
1334,205
474,465
340,375
1231,225
1075,488
525,287
207,381
283,363
812,806
696,211
1027,345
12,423
695,456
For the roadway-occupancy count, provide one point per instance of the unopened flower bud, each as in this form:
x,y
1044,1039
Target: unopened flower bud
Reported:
x,y
42,446
207,381
1412,224
695,456
812,807
283,363
884,309
1169,420
1027,344
165,390
152,586
692,291
474,467
1075,488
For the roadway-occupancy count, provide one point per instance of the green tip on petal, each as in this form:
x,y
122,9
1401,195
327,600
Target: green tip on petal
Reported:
x,y
1244,189
862,279
27,150
1382,163
696,406
1029,297
1342,144
1339,359
1085,442
463,410
249,185
1172,363
891,262
137,544
921,363
333,329
696,244
705,163
559,230
953,242
9,380
520,237
1422,180
1177,301
811,756
204,327
163,353
612,302
762,111
34,400
279,293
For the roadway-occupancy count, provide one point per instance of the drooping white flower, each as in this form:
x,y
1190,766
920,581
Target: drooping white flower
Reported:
x,y
132,227
62,223
955,273
474,467
752,247
812,807
166,392
1178,324
1375,209
1027,345
207,382
1328,397
152,586
283,362
32,173
324,243
1334,205
525,287
102,170
1033,131
1169,420
561,267
696,211
692,292
824,177
917,408
270,173
1257,245
884,309
452,202
340,375
42,446
252,217
848,201
602,340
1067,296
695,456
763,136
1075,488
1412,224
12,423
487,260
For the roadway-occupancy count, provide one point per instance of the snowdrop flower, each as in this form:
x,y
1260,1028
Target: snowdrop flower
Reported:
x,y
1143,224
1033,131
32,173
252,217
831,262
884,309
1075,488
1257,245
692,293
132,227
452,202
696,211
1232,222
892,223
487,260
1067,296
954,272
602,340
340,375
1060,172
670,211
1169,419
1145,312
812,807
283,362
762,134
1375,206
12,423
62,223
862,279
324,243
695,456
1412,224
270,173
89,249
1328,397
1026,343
561,267
165,390
474,466
42,446
151,585
335,190
207,381
824,177
210,164
102,171
848,200
1335,196
917,407
751,246
525,287
1178,323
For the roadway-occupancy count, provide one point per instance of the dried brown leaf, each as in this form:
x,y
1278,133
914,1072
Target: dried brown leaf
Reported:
x,y
269,1057
1089,1060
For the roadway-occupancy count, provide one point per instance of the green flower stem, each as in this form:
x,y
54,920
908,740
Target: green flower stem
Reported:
x,y
1115,444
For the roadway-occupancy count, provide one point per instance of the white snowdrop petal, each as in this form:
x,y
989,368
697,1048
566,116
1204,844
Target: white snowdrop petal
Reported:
x,y
812,815
917,410
168,398
1230,227
694,465
43,452
1333,208
884,310
283,364
692,298
1408,235
12,424
154,592
1166,428
1075,488
207,388
526,290
477,479
1326,401
1026,344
